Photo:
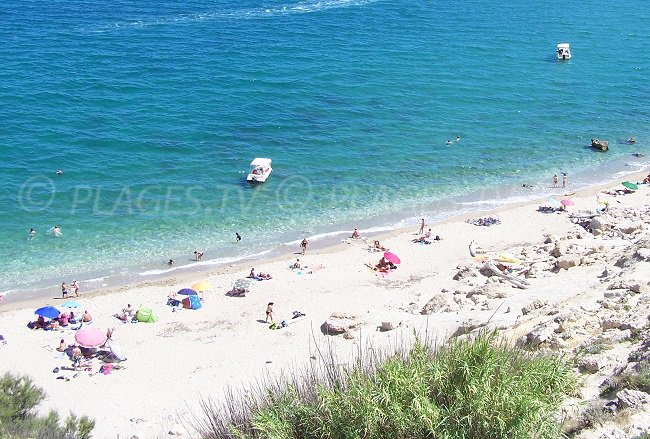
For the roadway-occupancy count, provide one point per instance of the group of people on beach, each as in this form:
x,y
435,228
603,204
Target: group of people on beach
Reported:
x,y
556,180
63,320
73,287
126,315
259,276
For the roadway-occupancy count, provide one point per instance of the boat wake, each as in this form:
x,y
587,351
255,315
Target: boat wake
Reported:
x,y
303,7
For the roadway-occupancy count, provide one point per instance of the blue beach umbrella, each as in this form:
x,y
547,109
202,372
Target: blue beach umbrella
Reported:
x,y
187,292
49,312
71,304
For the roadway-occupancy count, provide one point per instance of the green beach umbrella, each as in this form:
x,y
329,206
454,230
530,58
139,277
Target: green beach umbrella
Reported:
x,y
630,185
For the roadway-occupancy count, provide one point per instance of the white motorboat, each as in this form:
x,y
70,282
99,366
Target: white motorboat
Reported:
x,y
260,170
563,51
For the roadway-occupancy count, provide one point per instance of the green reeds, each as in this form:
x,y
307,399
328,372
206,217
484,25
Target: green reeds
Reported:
x,y
481,388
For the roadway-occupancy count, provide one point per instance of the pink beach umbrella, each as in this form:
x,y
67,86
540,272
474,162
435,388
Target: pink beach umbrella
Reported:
x,y
392,257
90,337
567,202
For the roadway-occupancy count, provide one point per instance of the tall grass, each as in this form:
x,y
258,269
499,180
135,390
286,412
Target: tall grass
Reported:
x,y
481,388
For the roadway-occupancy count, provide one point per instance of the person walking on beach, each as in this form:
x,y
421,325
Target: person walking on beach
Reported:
x,y
64,290
74,286
269,312
237,236
304,245
564,180
421,231
198,255
554,180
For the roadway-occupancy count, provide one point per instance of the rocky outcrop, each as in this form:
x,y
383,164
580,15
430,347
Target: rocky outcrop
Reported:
x,y
340,323
635,399
535,304
441,302
600,145
468,326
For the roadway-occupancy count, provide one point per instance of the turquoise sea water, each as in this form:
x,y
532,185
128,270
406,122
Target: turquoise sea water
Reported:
x,y
153,111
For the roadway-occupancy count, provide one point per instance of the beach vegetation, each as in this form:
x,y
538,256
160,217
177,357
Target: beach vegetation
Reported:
x,y
467,388
19,399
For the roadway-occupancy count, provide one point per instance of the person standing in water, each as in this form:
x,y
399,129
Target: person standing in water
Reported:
x,y
56,231
564,178
237,236
32,233
554,180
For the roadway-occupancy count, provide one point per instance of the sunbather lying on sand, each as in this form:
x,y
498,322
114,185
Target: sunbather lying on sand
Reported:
x,y
379,247
427,238
258,276
127,314
615,192
488,221
383,266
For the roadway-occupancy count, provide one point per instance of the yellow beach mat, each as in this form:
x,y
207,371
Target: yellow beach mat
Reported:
x,y
507,257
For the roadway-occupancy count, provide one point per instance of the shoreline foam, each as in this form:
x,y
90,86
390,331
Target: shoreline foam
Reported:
x,y
212,267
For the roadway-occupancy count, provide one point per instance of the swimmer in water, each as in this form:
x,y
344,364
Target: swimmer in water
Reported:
x,y
56,231
32,233
59,172
457,138
448,142
170,262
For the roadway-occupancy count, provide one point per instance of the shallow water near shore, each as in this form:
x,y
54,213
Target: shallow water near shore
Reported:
x,y
154,112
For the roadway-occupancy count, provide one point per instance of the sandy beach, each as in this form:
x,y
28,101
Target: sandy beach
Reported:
x,y
191,354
